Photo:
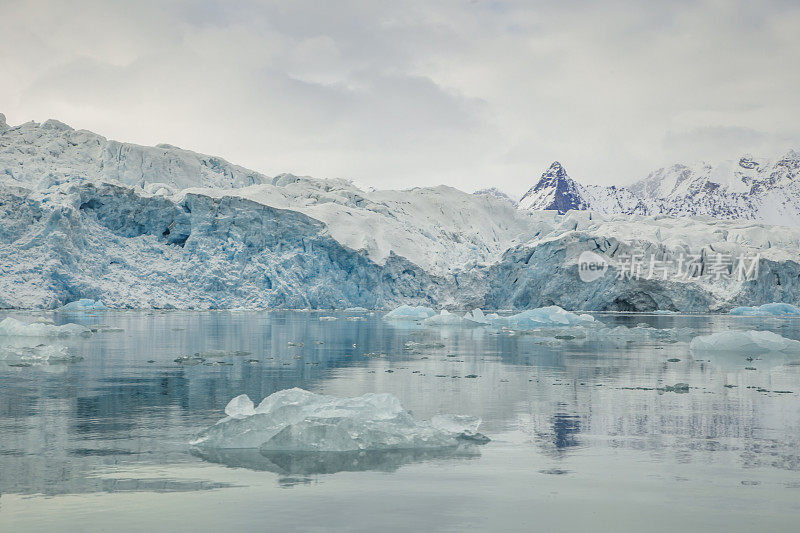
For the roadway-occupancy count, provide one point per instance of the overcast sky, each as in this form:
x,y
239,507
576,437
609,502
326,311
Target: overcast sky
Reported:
x,y
396,94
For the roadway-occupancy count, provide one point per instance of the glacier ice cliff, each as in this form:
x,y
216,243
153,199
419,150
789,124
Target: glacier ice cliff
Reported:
x,y
139,227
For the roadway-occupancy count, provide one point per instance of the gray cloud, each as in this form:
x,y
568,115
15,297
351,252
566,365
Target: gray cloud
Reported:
x,y
396,94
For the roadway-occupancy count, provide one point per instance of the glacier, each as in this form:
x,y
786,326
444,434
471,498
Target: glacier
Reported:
x,y
84,304
299,420
160,227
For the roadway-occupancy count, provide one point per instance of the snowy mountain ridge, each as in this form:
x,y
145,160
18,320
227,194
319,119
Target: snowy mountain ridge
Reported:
x,y
750,188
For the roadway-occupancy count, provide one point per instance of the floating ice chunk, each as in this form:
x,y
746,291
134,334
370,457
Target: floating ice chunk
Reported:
x,y
38,354
476,316
542,317
408,312
773,309
457,424
11,327
745,342
84,304
445,318
299,420
619,335
240,407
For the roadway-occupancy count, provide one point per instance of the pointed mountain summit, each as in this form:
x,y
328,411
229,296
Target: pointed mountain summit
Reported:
x,y
747,187
554,191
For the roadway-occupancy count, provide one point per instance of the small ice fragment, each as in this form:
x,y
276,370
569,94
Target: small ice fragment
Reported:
x,y
408,312
456,424
240,407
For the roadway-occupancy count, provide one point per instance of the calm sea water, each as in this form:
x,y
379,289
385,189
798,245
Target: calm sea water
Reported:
x,y
582,437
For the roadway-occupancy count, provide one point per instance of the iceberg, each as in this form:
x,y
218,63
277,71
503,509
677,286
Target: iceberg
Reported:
x,y
11,327
84,304
771,309
477,316
541,317
445,318
301,421
36,355
409,312
472,318
749,341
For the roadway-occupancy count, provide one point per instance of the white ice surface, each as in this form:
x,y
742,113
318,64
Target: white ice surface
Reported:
x,y
299,420
11,327
745,342
770,309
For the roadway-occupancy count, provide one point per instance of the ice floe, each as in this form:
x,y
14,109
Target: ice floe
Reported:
x,y
771,309
542,317
299,420
409,312
36,355
747,342
11,327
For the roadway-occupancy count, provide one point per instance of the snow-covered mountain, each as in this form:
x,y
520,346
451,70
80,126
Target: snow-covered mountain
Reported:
x,y
85,217
767,190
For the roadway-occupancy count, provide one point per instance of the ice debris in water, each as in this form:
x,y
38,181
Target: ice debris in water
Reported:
x,y
410,312
749,341
526,320
84,304
476,316
11,327
552,315
38,354
473,318
299,420
445,318
773,309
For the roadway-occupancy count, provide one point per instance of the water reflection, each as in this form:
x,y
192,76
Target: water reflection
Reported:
x,y
315,463
128,403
